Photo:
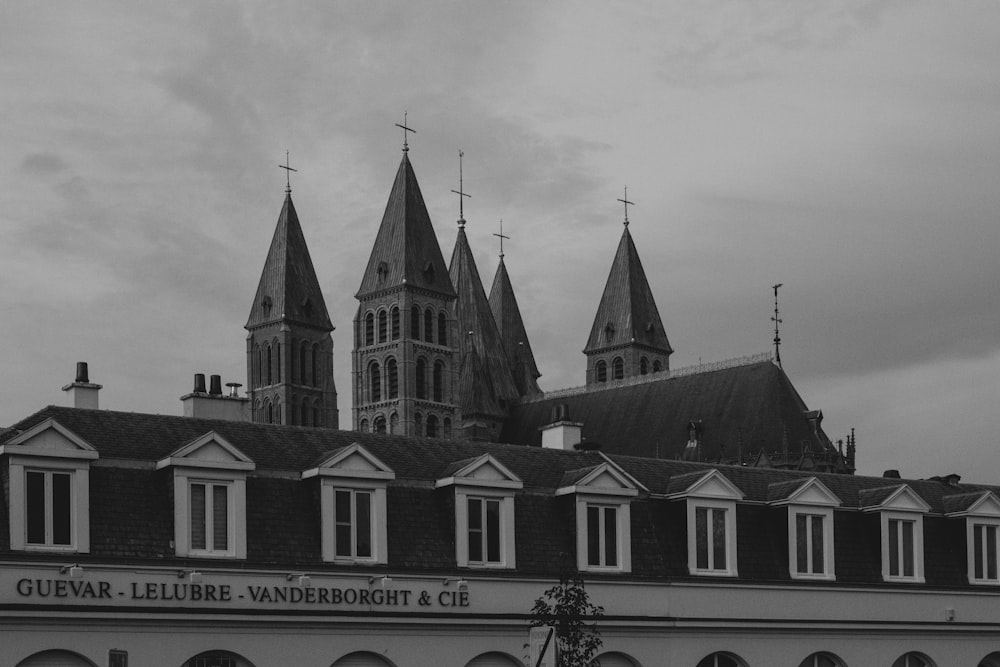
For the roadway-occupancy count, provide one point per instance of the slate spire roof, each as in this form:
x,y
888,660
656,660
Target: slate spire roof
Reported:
x,y
513,335
288,288
627,306
472,310
406,250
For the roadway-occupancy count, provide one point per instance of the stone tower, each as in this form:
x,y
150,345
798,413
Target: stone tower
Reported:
x,y
289,347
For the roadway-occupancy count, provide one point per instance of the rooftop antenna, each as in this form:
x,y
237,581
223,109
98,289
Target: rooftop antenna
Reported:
x,y
288,175
405,129
461,193
501,237
627,204
777,321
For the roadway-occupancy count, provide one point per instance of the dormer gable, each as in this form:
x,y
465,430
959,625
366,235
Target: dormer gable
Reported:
x,y
606,478
709,484
975,504
482,471
210,450
900,498
808,492
353,461
49,439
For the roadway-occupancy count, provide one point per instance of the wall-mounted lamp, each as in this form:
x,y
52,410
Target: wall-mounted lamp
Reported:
x,y
75,571
192,575
460,584
384,581
301,580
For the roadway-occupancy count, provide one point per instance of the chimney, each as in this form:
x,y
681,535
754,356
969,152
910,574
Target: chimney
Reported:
x,y
213,404
82,393
561,433
891,474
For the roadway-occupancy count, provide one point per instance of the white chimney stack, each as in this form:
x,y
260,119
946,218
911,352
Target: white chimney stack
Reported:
x,y
82,393
561,433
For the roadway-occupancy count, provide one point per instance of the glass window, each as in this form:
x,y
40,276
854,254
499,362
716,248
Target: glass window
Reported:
x,y
720,660
710,539
438,381
484,531
382,326
209,510
395,322
48,508
809,542
429,325
352,512
602,536
901,544
984,552
415,323
601,371
442,329
392,371
821,659
618,367
913,660
370,329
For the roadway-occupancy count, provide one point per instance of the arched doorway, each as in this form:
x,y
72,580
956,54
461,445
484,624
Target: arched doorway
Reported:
x,y
362,659
913,659
218,659
56,658
494,659
615,659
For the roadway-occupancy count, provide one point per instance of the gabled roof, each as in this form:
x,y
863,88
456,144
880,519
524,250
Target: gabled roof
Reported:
x,y
605,478
899,497
704,484
47,438
209,450
513,335
484,470
979,503
804,492
476,325
406,250
353,461
627,313
748,405
288,288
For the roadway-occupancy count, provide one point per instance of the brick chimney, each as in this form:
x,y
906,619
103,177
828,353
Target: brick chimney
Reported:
x,y
82,393
561,433
213,404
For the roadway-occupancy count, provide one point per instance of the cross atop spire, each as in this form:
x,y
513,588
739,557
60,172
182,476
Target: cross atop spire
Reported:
x,y
461,193
405,129
627,204
501,237
288,170
777,321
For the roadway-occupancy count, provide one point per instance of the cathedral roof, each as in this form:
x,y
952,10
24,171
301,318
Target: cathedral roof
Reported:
x,y
406,250
750,405
476,325
627,313
478,398
288,288
513,336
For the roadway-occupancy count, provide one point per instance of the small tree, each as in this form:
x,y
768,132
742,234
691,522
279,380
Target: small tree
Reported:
x,y
567,607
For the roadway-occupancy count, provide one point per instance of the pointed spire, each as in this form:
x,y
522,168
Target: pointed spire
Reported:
x,y
513,335
288,289
627,313
406,250
472,310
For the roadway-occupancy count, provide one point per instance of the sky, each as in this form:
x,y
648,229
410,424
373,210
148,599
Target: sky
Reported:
x,y
848,150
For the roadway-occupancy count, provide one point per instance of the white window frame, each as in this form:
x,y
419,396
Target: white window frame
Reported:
x,y
377,521
235,481
917,519
826,513
49,468
505,497
729,507
972,522
210,529
622,546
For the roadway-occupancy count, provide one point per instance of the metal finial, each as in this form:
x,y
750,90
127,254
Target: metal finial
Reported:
x,y
501,237
627,204
461,193
288,170
406,147
777,321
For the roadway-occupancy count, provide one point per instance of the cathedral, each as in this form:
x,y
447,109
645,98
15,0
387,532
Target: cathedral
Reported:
x,y
435,356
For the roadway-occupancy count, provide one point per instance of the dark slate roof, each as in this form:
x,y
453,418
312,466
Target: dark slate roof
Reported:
x,y
960,502
476,325
876,496
477,397
627,305
753,403
513,335
288,280
406,250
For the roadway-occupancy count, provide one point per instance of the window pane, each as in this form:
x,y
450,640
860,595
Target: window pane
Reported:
x,y
610,536
493,531
60,508
817,545
364,529
198,516
342,506
35,510
719,539
907,548
475,530
977,548
593,535
342,524
801,544
701,537
220,517
893,554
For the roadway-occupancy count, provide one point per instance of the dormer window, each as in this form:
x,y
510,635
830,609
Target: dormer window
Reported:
x,y
810,526
603,494
48,473
484,511
981,512
353,505
711,521
902,528
209,497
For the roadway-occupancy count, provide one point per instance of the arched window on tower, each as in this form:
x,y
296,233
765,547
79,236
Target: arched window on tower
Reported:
x,y
601,371
446,434
395,322
415,323
643,366
438,384
255,366
618,368
432,426
378,425
304,413
316,365
442,329
429,325
394,423
374,382
392,377
268,412
418,424
277,412
269,367
363,426
317,417
303,366
383,333
277,362
370,329
420,376
656,366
